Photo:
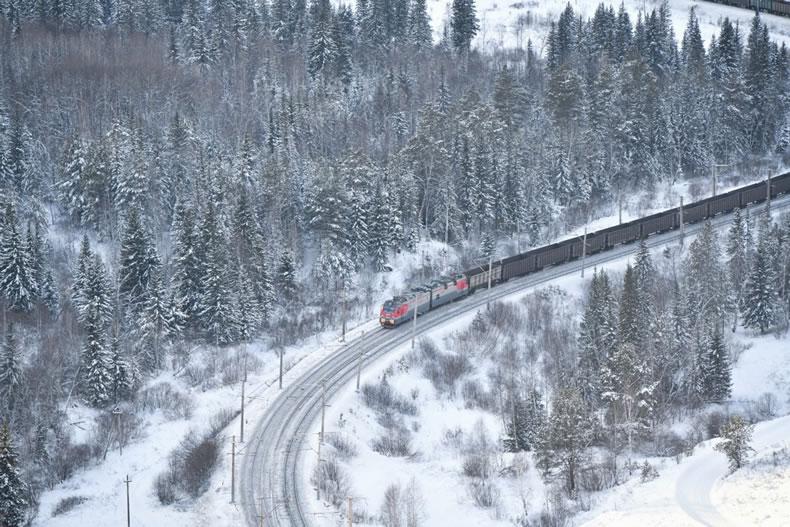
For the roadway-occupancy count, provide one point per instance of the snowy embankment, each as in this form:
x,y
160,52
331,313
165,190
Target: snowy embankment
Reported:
x,y
688,489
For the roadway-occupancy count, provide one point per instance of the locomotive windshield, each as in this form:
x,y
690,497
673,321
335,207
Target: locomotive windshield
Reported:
x,y
393,304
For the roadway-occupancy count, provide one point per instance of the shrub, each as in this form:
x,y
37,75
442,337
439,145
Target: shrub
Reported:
x,y
165,488
382,398
220,420
68,504
475,395
477,465
766,406
196,464
484,493
648,473
189,470
162,396
343,446
331,480
394,443
445,371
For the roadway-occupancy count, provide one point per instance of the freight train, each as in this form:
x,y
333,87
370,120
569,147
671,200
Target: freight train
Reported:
x,y
447,289
776,7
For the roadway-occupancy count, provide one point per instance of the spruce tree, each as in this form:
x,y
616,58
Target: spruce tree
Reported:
x,y
138,260
420,31
716,371
464,24
760,308
13,501
10,373
570,432
122,373
95,371
155,321
188,278
16,280
737,266
286,278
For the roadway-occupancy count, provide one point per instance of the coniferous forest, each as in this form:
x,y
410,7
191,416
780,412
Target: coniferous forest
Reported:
x,y
181,173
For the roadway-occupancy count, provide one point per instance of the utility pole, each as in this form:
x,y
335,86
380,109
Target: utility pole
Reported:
x,y
359,371
323,407
768,187
241,431
682,227
584,249
488,293
128,508
233,470
620,209
318,479
414,323
343,293
282,352
350,512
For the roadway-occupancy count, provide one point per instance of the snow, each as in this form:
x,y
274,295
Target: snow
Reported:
x,y
687,491
511,23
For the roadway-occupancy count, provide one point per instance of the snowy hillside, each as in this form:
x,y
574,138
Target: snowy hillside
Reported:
x,y
511,23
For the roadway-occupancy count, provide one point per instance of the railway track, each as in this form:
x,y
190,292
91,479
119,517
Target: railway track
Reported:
x,y
271,483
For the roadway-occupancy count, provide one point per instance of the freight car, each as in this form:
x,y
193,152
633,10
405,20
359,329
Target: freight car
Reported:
x,y
447,289
776,7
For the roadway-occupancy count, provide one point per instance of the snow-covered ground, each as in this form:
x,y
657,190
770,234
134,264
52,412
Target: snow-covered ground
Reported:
x,y
689,490
511,23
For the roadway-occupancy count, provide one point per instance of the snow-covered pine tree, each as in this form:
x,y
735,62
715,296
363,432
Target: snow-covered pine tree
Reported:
x,y
217,311
17,284
80,274
716,371
737,266
525,419
138,260
285,279
13,501
760,308
96,382
464,24
123,376
420,32
95,301
704,271
10,373
570,432
188,261
597,335
249,311
154,321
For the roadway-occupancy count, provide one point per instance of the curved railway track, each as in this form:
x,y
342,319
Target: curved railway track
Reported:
x,y
271,483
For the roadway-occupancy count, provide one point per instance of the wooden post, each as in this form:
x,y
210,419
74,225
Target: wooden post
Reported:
x,y
350,512
241,432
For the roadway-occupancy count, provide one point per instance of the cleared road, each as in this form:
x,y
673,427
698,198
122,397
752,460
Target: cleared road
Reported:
x,y
270,475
